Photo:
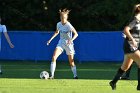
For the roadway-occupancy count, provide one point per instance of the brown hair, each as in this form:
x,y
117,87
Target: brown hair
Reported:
x,y
137,8
64,11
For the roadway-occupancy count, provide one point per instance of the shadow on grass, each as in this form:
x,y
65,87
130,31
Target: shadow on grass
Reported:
x,y
88,70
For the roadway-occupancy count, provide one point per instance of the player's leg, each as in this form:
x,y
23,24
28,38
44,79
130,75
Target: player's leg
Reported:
x,y
126,64
136,58
0,65
70,52
0,70
56,54
73,66
125,76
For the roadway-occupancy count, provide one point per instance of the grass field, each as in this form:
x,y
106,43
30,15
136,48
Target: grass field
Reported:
x,y
23,77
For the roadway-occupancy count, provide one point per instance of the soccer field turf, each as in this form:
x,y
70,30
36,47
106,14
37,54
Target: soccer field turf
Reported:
x,y
23,77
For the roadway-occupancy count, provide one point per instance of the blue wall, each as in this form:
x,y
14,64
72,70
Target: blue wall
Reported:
x,y
89,46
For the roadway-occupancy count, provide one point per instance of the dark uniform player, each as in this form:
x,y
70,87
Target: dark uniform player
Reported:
x,y
131,48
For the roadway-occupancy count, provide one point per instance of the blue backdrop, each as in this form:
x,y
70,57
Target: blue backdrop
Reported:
x,y
89,46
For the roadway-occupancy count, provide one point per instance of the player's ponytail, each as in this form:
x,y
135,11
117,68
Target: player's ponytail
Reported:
x,y
64,11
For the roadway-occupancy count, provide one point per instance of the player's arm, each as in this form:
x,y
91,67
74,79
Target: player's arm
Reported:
x,y
54,35
128,34
8,39
75,34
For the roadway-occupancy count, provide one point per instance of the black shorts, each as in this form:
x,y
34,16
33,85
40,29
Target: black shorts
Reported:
x,y
127,47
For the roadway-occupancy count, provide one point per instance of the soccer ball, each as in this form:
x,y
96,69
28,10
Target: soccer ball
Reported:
x,y
44,75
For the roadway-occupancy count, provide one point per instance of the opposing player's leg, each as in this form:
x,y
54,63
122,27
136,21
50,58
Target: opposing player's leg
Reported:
x,y
126,64
125,76
0,70
56,54
136,58
73,66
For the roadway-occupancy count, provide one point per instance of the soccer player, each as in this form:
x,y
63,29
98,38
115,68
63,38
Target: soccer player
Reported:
x,y
131,48
65,43
4,30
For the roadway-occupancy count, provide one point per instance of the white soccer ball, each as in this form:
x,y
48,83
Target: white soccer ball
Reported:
x,y
44,75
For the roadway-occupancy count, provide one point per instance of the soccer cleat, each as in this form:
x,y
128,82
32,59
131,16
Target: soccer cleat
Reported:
x,y
75,77
124,78
51,77
113,86
138,87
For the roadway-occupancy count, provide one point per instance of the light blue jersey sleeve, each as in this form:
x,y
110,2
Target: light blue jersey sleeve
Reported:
x,y
58,25
70,27
4,29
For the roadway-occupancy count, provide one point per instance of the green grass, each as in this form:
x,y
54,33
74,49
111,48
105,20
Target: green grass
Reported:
x,y
23,77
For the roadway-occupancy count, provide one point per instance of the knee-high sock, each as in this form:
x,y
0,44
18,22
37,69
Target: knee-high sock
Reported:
x,y
0,69
73,68
52,68
139,76
128,72
118,75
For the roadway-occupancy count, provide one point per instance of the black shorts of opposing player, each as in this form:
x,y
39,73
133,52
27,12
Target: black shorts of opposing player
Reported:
x,y
128,47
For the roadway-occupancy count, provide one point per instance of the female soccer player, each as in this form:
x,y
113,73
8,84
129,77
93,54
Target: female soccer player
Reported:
x,y
4,30
65,42
131,47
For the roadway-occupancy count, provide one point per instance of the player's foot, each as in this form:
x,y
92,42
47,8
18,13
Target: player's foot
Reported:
x,y
124,78
75,77
51,77
113,86
138,87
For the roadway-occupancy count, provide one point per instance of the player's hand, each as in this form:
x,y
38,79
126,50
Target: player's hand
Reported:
x,y
48,42
69,42
134,43
11,45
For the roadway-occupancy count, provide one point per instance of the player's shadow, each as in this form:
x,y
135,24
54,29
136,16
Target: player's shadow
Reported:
x,y
95,70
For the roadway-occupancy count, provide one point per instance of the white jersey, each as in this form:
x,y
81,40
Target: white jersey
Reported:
x,y
65,30
2,29
65,35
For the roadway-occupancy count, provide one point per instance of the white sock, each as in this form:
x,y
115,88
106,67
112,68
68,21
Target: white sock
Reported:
x,y
0,68
52,68
73,68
